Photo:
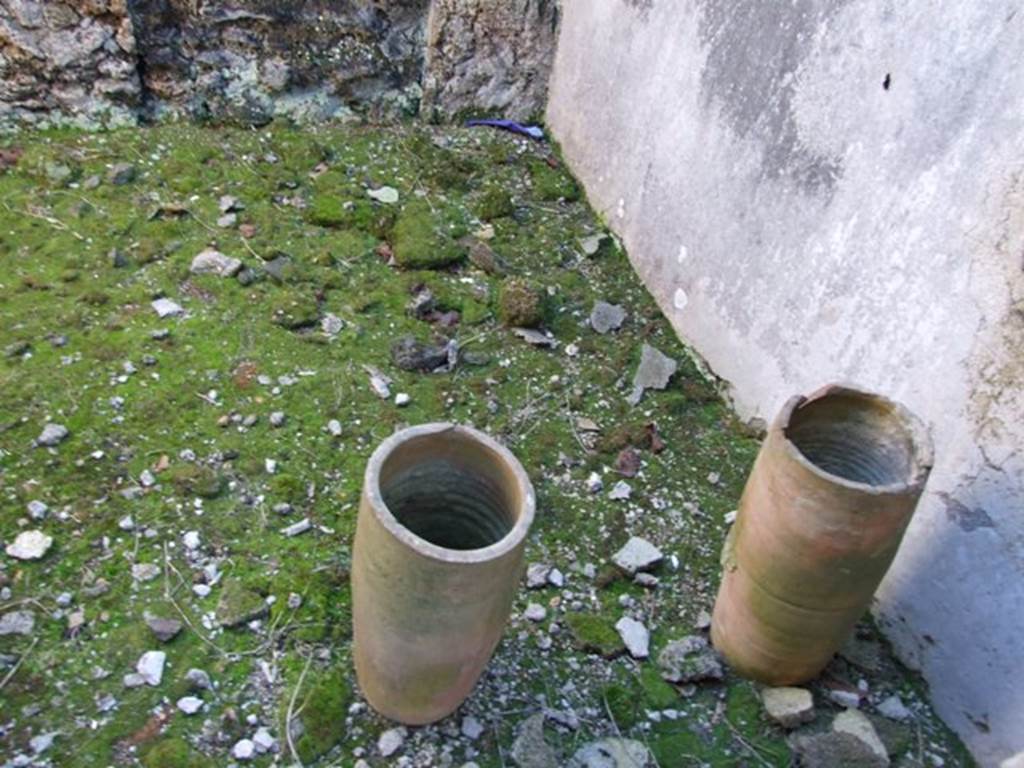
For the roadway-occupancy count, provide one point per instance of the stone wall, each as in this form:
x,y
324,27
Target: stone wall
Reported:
x,y
489,55
249,60
74,60
103,62
834,190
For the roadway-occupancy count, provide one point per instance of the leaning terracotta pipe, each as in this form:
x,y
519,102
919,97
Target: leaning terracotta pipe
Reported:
x,y
822,515
437,559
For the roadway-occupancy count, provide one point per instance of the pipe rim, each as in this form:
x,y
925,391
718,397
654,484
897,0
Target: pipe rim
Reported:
x,y
921,444
509,542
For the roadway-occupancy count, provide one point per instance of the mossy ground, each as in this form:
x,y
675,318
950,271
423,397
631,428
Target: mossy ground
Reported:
x,y
179,408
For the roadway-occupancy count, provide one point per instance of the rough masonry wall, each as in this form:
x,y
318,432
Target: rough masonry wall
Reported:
x,y
109,62
493,55
250,60
832,190
76,59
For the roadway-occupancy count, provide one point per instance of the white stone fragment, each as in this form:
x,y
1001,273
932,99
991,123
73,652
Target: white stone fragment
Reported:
x,y
151,667
29,545
167,308
37,510
190,704
620,491
535,612
857,724
244,749
296,528
391,741
635,636
471,728
264,742
894,708
537,575
638,554
213,262
52,434
787,706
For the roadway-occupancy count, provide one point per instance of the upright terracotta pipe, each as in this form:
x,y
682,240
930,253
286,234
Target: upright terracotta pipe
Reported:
x,y
822,515
438,557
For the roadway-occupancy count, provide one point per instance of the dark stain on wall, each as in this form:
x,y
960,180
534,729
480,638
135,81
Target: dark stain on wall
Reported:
x,y
754,50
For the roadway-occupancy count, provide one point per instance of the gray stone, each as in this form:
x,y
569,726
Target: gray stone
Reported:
x,y
411,355
52,435
295,529
592,243
198,679
213,262
164,629
530,750
190,704
856,723
229,204
17,623
151,667
654,372
278,268
690,660
331,325
834,750
635,637
605,317
638,554
787,706
37,510
42,742
264,741
277,419
145,571
29,545
489,56
620,491
244,749
121,173
894,708
845,698
535,337
386,195
391,741
535,612
166,308
612,753
471,728
537,575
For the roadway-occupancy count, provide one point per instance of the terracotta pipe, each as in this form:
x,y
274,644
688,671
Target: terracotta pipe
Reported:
x,y
437,560
822,515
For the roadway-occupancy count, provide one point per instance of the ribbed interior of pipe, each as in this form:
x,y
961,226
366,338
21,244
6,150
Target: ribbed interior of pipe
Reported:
x,y
858,438
444,503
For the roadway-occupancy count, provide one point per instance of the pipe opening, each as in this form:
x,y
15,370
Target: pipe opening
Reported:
x,y
855,436
451,491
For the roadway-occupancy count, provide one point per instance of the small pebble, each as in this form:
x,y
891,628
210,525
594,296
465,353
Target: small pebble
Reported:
x,y
535,612
244,749
190,704
391,741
